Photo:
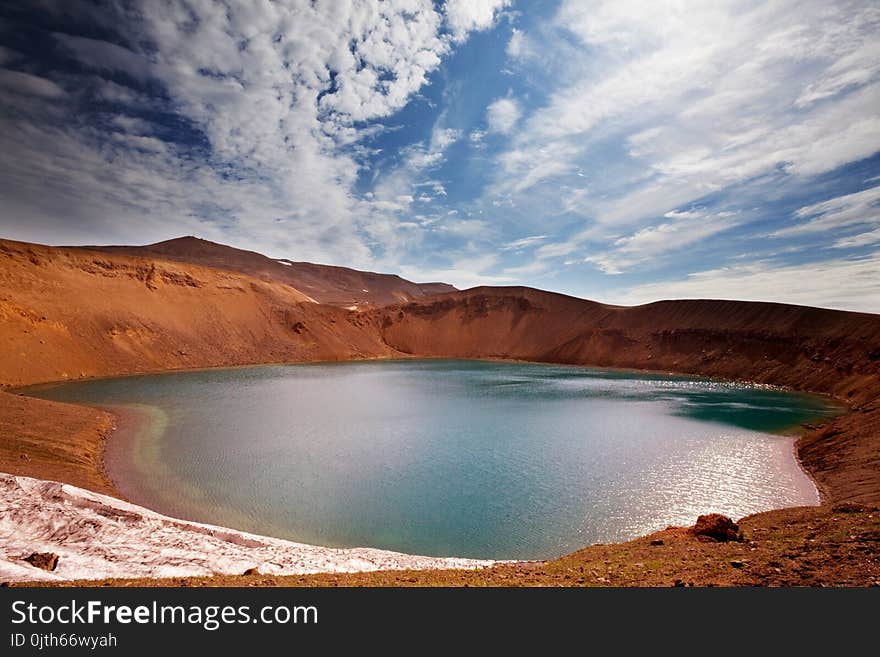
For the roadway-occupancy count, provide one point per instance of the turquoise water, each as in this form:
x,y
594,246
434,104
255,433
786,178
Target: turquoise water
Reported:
x,y
463,458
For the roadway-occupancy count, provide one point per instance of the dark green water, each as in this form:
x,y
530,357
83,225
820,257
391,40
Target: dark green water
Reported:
x,y
452,457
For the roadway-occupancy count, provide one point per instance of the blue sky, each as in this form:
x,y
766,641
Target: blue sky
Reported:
x,y
620,151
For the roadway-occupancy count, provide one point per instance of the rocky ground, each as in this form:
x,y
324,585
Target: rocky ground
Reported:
x,y
811,546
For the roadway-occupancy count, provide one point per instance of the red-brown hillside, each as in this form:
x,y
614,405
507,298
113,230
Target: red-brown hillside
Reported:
x,y
827,351
68,313
326,284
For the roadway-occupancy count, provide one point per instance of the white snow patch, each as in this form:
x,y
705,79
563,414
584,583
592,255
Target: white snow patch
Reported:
x,y
97,536
288,264
363,290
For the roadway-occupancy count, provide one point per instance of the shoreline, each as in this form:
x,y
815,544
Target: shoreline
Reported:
x,y
821,493
49,383
125,420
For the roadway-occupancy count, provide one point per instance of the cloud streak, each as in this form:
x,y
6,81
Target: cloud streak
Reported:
x,y
702,96
845,284
855,209
644,246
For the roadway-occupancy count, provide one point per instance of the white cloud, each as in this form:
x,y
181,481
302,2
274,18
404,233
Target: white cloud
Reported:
x,y
842,284
477,138
105,56
523,243
502,115
557,249
529,269
415,161
464,228
848,210
469,270
660,238
463,16
854,69
131,124
684,214
29,85
862,239
396,189
707,95
644,246
280,92
516,47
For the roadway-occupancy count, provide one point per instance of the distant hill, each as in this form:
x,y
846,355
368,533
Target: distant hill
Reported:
x,y
326,284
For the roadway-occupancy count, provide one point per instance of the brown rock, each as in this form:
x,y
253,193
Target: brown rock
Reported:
x,y
849,507
44,560
657,541
716,527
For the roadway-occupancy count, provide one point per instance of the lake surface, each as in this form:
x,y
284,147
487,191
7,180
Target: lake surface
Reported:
x,y
463,458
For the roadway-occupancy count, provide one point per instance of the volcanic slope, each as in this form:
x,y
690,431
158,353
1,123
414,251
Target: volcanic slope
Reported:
x,y
326,284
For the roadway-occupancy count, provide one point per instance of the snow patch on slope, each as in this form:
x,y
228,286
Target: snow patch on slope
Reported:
x,y
97,536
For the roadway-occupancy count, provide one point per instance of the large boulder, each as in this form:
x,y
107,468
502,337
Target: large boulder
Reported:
x,y
44,560
716,527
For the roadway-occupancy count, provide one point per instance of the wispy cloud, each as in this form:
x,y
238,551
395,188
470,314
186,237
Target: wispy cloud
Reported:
x,y
682,229
523,243
860,239
517,45
469,270
703,96
17,82
845,284
848,210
